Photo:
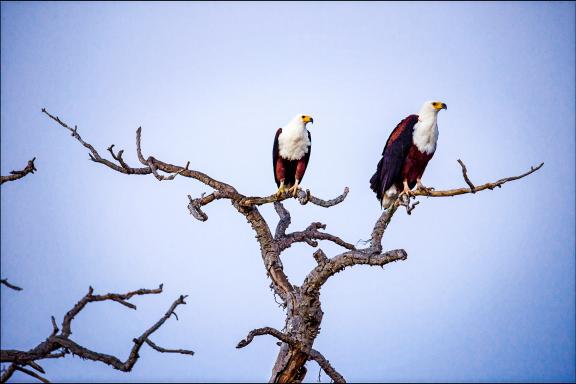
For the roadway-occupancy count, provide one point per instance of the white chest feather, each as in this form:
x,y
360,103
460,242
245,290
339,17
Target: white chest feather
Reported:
x,y
426,135
293,143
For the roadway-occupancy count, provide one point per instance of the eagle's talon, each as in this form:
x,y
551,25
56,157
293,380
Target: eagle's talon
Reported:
x,y
281,191
293,190
422,188
426,190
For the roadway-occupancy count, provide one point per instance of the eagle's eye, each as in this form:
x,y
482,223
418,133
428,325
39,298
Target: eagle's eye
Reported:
x,y
302,116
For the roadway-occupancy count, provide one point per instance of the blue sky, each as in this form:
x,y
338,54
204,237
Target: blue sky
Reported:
x,y
488,290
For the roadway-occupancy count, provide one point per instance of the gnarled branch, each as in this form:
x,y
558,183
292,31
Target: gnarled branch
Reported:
x,y
60,342
310,235
265,331
320,274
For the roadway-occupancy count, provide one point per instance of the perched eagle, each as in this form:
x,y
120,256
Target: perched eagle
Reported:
x,y
406,153
291,152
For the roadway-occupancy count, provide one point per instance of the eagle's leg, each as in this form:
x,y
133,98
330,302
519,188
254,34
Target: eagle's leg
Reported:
x,y
406,190
421,187
281,190
294,189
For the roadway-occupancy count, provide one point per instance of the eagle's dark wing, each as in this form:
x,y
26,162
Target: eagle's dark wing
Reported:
x,y
276,157
393,156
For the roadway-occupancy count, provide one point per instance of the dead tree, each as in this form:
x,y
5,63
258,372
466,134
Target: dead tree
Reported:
x,y
59,344
302,303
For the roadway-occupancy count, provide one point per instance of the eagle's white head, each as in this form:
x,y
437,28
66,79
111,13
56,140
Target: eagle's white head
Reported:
x,y
431,107
299,122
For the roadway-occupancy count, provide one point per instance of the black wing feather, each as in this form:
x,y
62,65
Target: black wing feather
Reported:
x,y
275,155
393,156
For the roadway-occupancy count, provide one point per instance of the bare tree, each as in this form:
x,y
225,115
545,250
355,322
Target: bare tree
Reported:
x,y
302,303
58,344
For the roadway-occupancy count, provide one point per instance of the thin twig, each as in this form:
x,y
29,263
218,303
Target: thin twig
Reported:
x,y
164,350
31,373
465,175
9,285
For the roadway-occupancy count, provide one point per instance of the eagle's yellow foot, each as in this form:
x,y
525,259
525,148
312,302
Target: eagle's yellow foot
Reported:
x,y
406,191
293,190
281,191
421,187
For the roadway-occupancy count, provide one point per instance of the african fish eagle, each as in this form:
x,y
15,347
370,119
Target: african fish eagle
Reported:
x,y
406,153
291,152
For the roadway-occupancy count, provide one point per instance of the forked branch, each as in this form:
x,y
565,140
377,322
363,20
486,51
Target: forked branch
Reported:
x,y
59,344
471,187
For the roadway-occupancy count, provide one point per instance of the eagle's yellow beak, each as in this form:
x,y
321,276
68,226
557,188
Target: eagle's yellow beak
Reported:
x,y
307,119
439,105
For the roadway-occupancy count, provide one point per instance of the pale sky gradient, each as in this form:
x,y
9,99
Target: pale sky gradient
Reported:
x,y
488,290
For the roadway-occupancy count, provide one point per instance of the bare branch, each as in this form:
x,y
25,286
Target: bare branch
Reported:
x,y
284,221
163,350
404,201
62,341
330,203
461,191
118,157
9,285
309,236
266,331
195,205
380,227
8,373
89,298
318,276
465,176
30,373
15,175
326,366
303,197
320,256
312,353
36,367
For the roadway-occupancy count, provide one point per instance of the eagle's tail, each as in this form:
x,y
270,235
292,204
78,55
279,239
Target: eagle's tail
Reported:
x,y
389,197
375,182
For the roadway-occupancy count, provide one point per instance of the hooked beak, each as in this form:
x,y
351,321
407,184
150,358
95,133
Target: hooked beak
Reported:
x,y
439,105
307,119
